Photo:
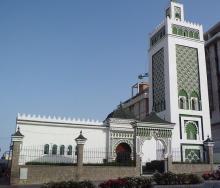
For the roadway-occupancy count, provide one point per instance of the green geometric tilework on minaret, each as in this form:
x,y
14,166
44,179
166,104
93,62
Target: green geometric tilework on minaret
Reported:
x,y
187,70
158,81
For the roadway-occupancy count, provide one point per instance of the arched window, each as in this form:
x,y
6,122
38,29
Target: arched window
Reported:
x,y
194,104
182,103
194,101
185,33
183,98
62,148
180,31
46,149
54,149
123,153
174,30
70,150
191,34
191,131
196,35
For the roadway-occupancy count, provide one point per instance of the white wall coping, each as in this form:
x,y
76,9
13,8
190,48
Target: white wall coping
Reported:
x,y
54,119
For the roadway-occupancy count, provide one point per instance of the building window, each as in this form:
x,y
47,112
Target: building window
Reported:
x,y
194,101
46,149
54,149
180,31
183,97
62,148
196,35
70,150
193,104
191,34
174,30
185,33
182,103
191,131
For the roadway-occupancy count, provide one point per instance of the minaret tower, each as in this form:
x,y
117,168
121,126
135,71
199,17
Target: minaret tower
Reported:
x,y
177,73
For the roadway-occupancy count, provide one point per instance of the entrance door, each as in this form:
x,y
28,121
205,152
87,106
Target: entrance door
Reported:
x,y
153,156
123,153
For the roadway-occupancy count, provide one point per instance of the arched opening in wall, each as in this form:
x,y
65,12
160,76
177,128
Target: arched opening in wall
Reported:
x,y
181,103
193,104
195,101
191,131
46,149
183,98
62,148
123,153
153,156
54,149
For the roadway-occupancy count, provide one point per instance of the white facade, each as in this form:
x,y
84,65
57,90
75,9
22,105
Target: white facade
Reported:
x,y
45,130
169,41
102,137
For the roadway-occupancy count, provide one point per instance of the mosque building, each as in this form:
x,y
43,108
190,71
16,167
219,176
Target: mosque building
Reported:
x,y
178,122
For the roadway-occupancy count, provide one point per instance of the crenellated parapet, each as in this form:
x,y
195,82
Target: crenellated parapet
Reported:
x,y
55,119
187,24
158,27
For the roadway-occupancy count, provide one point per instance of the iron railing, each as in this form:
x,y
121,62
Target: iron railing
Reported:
x,y
37,155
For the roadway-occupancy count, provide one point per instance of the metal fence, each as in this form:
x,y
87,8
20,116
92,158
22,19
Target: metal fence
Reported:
x,y
37,155
102,157
160,154
96,155
176,155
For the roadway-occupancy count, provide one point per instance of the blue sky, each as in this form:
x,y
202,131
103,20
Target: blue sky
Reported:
x,y
77,58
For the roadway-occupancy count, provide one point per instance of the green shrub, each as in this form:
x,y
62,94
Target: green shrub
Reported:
x,y
153,166
138,182
86,184
194,179
69,184
181,179
129,182
176,179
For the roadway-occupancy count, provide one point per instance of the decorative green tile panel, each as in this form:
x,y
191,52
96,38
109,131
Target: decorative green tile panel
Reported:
x,y
158,81
192,155
185,31
187,70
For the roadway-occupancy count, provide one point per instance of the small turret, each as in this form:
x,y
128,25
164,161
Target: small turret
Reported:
x,y
175,11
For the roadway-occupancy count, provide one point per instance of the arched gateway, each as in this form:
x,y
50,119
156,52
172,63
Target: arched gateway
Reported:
x,y
149,138
151,133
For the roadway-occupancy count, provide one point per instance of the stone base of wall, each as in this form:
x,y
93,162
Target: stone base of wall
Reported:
x,y
189,168
110,172
39,174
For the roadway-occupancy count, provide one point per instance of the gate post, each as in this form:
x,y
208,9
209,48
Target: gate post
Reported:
x,y
209,144
168,163
17,139
80,141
